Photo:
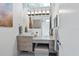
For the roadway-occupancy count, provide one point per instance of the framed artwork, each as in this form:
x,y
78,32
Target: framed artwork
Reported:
x,y
6,17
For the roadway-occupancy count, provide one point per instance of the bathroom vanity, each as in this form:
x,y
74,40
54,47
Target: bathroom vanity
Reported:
x,y
27,42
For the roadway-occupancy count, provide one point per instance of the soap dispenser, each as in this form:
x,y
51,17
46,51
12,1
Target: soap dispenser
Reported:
x,y
20,29
26,29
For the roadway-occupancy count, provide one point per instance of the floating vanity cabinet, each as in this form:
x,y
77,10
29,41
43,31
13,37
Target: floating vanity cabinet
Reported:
x,y
24,43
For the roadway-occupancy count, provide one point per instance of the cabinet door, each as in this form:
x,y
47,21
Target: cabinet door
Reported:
x,y
24,43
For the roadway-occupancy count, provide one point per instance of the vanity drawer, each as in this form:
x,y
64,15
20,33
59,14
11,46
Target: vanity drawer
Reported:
x,y
23,40
24,37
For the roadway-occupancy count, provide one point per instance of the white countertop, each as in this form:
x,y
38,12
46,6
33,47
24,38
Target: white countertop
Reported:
x,y
25,34
42,38
38,37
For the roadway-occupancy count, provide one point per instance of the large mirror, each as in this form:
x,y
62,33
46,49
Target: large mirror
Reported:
x,y
39,18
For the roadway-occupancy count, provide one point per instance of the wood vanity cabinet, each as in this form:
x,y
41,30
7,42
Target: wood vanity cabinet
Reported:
x,y
24,43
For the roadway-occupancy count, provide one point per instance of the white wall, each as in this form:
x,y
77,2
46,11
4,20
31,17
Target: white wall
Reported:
x,y
8,35
69,29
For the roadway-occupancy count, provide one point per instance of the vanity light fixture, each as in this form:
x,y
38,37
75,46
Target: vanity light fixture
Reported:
x,y
43,11
36,12
28,12
39,11
32,12
47,11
